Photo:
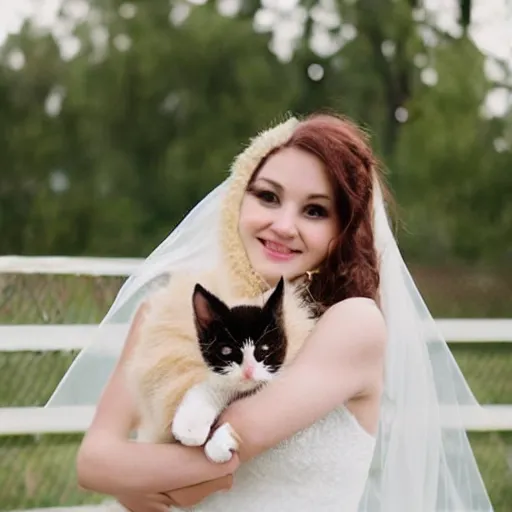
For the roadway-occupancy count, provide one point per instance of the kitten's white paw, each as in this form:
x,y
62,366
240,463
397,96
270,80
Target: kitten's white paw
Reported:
x,y
192,429
222,444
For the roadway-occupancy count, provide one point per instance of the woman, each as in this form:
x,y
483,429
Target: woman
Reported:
x,y
303,201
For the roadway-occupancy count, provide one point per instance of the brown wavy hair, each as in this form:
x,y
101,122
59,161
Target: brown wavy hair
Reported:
x,y
351,268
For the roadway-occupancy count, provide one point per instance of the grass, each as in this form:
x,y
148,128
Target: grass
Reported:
x,y
38,471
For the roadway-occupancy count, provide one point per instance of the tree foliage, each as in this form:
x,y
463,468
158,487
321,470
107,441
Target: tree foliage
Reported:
x,y
106,147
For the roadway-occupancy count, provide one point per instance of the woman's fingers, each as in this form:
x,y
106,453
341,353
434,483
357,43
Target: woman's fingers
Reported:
x,y
145,503
188,496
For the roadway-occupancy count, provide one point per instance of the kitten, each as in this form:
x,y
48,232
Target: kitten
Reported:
x,y
243,347
193,357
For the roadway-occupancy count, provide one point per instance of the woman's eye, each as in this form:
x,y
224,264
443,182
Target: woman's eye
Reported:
x,y
267,196
316,211
225,351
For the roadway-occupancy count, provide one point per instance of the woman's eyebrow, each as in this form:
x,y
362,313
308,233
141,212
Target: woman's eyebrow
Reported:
x,y
273,183
280,188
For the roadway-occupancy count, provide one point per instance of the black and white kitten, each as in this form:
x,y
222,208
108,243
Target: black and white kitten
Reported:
x,y
244,347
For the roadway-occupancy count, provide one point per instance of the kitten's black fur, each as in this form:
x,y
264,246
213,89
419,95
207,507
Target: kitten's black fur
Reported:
x,y
223,331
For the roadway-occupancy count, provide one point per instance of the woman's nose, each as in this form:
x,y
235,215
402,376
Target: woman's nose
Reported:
x,y
285,225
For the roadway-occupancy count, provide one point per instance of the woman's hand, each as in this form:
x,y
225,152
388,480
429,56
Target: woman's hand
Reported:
x,y
184,497
189,496
159,502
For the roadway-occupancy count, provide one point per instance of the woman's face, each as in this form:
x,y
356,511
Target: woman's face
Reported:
x,y
287,219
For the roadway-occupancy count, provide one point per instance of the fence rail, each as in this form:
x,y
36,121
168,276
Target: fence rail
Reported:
x,y
72,265
76,420
78,508
40,420
58,337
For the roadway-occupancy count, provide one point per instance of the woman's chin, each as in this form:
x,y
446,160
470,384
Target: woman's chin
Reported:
x,y
272,272
272,278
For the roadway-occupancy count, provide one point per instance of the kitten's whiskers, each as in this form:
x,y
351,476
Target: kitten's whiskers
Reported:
x,y
265,332
274,348
226,370
209,344
230,335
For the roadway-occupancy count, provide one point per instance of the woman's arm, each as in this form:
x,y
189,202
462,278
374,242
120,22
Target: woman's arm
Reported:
x,y
108,462
342,359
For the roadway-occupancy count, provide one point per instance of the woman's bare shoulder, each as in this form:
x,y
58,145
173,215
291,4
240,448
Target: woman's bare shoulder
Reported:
x,y
358,322
360,308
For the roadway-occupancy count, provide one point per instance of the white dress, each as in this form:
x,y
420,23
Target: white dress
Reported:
x,y
323,468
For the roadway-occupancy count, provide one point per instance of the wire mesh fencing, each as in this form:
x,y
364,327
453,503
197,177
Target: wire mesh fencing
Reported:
x,y
39,470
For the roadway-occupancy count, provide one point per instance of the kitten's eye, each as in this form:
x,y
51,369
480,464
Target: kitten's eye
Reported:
x,y
265,348
225,351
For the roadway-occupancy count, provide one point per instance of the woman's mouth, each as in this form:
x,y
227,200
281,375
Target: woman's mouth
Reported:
x,y
277,251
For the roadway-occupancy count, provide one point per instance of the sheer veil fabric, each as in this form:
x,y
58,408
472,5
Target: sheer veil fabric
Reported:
x,y
423,461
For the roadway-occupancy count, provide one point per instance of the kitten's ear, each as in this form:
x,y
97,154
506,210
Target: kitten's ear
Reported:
x,y
274,304
207,307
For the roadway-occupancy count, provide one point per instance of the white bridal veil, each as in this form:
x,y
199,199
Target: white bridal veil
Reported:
x,y
423,461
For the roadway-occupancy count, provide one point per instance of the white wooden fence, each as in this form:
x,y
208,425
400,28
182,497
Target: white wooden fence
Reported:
x,y
45,338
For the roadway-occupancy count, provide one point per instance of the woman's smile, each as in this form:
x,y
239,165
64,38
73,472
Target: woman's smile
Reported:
x,y
277,251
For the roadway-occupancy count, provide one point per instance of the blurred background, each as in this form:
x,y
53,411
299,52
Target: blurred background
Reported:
x,y
117,117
